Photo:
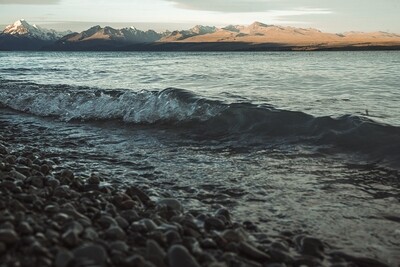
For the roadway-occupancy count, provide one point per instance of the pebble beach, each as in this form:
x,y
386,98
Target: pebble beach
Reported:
x,y
51,217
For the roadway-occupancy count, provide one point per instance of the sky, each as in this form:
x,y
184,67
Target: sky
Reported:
x,y
327,15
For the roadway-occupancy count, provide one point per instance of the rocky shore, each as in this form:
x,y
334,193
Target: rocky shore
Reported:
x,y
51,217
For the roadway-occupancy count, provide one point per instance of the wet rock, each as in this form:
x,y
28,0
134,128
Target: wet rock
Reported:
x,y
119,246
67,174
91,253
8,236
237,235
93,180
37,181
155,253
310,246
179,256
150,225
130,215
24,228
52,182
3,150
280,256
115,233
170,203
214,223
45,169
127,204
134,261
173,237
253,252
223,212
17,175
70,238
122,222
134,191
90,234
3,248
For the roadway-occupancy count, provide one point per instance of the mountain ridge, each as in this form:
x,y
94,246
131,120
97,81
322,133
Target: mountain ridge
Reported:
x,y
257,36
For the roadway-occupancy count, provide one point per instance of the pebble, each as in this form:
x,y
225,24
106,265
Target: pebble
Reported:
x,y
155,253
48,221
171,203
92,252
179,256
253,252
8,236
115,233
214,223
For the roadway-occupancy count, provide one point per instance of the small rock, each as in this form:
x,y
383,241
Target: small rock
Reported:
x,y
155,253
310,246
119,246
45,169
134,191
93,180
92,253
223,212
3,150
171,203
127,204
37,181
179,256
214,223
115,233
3,248
24,228
253,252
70,238
8,236
122,222
17,175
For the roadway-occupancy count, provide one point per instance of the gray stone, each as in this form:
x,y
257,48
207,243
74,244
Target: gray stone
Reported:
x,y
134,191
155,253
122,222
37,181
115,233
92,253
179,256
253,252
70,238
3,248
150,225
25,228
171,203
8,236
119,246
214,223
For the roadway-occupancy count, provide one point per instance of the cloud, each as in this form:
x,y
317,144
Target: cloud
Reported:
x,y
224,5
29,2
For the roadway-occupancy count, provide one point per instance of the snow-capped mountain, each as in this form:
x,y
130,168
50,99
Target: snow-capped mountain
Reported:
x,y
125,35
21,28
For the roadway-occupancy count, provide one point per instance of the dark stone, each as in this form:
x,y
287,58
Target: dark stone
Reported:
x,y
214,223
134,191
179,256
253,252
8,236
91,253
155,253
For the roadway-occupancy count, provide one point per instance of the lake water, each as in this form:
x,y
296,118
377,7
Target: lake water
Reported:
x,y
306,142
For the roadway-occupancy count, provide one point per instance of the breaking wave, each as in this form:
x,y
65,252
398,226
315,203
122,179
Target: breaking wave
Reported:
x,y
206,119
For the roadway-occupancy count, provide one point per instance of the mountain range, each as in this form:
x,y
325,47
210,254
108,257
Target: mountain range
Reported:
x,y
258,36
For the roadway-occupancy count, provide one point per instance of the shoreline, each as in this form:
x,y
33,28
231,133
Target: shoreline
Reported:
x,y
54,218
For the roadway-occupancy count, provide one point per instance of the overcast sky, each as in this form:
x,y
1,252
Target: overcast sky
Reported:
x,y
327,15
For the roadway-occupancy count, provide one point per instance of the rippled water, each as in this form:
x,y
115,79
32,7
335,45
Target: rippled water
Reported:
x,y
282,139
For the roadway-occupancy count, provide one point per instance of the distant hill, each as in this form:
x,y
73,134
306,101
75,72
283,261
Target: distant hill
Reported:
x,y
257,36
